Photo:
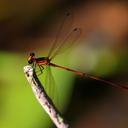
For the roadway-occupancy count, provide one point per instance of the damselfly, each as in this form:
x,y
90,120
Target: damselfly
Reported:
x,y
57,47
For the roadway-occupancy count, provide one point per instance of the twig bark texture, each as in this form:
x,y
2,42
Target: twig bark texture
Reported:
x,y
43,98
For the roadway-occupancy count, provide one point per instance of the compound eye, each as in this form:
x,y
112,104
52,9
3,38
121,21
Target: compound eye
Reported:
x,y
32,54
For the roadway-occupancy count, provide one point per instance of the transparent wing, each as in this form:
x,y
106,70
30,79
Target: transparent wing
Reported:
x,y
49,84
64,26
65,35
67,42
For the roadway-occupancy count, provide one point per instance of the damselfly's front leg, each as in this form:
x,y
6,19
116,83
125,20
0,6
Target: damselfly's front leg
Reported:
x,y
34,66
41,69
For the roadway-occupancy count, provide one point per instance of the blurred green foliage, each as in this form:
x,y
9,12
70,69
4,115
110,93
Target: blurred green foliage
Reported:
x,y
19,107
23,24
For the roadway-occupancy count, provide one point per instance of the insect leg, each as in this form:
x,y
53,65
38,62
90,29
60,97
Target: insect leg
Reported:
x,y
41,69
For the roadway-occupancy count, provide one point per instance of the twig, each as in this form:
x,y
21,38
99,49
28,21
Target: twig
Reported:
x,y
43,98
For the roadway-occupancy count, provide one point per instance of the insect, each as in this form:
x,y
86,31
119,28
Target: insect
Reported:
x,y
56,48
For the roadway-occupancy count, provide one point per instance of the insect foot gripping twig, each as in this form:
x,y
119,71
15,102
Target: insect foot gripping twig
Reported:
x,y
43,98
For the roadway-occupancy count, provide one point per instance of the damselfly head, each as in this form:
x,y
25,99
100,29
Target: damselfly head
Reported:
x,y
31,58
32,54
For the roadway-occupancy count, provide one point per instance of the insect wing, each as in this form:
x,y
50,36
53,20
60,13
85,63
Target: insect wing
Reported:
x,y
64,34
64,28
67,42
49,84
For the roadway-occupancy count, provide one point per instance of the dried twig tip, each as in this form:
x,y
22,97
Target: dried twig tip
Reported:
x,y
43,98
28,70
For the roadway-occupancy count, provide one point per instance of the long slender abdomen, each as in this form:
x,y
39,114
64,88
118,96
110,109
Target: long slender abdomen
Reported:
x,y
68,69
91,76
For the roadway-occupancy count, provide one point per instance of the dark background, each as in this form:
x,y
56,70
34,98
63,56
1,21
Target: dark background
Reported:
x,y
102,50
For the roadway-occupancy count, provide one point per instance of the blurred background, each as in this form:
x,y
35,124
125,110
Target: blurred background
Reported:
x,y
102,50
